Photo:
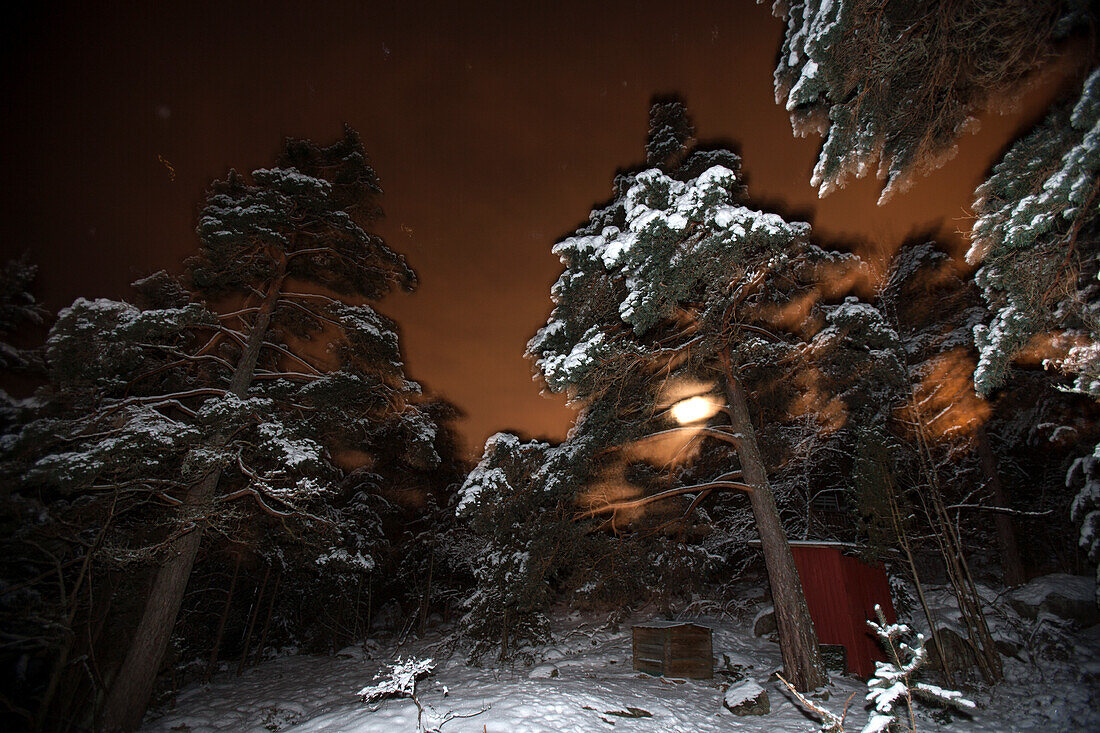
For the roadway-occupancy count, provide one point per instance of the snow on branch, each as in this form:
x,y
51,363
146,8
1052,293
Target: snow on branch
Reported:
x,y
399,680
891,689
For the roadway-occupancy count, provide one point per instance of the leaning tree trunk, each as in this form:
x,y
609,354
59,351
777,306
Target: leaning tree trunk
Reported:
x,y
133,686
797,638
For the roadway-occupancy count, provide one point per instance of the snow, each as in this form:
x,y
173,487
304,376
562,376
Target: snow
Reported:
x,y
340,555
1072,587
292,451
292,180
742,692
595,688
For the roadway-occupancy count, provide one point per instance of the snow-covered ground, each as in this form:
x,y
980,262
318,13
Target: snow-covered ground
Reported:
x,y
583,681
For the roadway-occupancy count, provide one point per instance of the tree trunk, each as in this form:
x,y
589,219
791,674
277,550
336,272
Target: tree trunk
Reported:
x,y
252,621
1011,565
427,594
797,638
267,619
903,538
951,550
217,646
133,687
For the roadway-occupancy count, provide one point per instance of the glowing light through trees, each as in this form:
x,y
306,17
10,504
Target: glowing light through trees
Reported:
x,y
693,410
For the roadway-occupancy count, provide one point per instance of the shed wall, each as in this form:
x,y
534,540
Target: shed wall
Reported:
x,y
841,593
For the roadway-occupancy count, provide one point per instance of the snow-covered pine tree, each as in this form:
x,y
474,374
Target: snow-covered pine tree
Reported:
x,y
1084,476
670,131
846,381
676,271
232,413
428,571
1037,239
19,310
892,85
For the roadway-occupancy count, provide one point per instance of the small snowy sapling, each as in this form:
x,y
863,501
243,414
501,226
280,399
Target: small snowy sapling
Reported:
x,y
399,680
891,685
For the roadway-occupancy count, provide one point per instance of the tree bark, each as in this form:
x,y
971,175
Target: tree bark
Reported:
x,y
267,619
1011,565
217,646
797,638
133,687
252,621
427,594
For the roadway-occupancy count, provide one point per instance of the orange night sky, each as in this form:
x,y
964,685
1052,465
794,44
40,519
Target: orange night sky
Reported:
x,y
495,128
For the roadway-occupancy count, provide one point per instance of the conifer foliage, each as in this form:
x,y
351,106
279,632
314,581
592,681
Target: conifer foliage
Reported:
x,y
669,278
18,310
1037,240
520,508
892,85
220,403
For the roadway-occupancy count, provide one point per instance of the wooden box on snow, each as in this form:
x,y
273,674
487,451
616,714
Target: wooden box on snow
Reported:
x,y
673,649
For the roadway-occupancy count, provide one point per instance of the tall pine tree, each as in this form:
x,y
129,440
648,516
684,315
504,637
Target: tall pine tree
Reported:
x,y
1037,239
673,276
231,392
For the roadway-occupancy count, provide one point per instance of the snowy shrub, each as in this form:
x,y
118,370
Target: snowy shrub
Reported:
x,y
527,531
892,683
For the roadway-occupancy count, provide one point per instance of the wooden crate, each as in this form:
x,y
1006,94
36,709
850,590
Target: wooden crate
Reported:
x,y
674,649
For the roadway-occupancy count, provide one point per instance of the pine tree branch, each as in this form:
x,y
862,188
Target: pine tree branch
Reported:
x,y
716,432
322,250
291,355
236,313
313,313
162,399
758,330
237,336
1000,510
263,374
674,349
1071,237
314,296
667,493
250,491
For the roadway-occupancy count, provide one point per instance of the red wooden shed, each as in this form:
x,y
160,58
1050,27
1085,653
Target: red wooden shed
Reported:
x,y
841,591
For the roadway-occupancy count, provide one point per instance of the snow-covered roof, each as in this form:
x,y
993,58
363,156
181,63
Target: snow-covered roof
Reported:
x,y
813,543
